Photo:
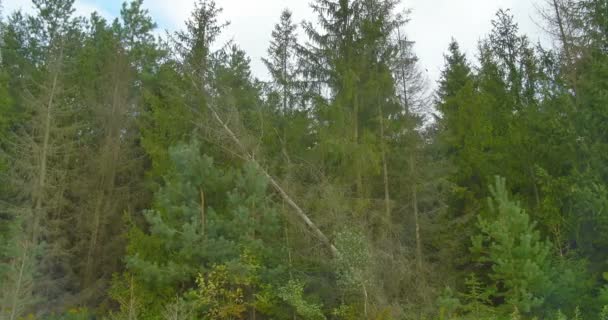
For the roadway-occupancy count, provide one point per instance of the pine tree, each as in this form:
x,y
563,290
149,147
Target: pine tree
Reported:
x,y
511,247
137,38
202,216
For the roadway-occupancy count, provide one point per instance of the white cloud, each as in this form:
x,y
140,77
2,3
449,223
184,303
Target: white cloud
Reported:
x,y
9,6
82,8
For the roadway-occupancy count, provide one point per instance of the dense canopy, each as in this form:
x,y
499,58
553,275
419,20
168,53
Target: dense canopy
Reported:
x,y
146,177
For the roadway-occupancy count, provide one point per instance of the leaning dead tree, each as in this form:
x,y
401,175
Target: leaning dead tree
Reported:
x,y
297,210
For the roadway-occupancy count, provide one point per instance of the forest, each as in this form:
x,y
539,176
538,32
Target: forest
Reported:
x,y
148,177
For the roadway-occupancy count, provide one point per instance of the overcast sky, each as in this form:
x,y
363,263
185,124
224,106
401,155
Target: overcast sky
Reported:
x,y
433,22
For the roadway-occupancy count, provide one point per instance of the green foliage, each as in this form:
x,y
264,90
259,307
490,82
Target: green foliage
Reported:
x,y
203,217
220,177
571,286
293,294
130,297
449,304
73,314
353,261
477,297
221,295
18,270
604,313
513,250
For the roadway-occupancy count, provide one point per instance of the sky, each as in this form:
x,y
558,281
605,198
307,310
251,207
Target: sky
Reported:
x,y
433,22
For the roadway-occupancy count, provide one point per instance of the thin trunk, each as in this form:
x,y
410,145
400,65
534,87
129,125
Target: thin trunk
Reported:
x,y
284,107
558,239
284,76
108,201
88,275
569,57
289,259
358,174
203,218
387,198
562,32
42,171
17,292
106,183
132,312
365,299
534,187
403,77
416,218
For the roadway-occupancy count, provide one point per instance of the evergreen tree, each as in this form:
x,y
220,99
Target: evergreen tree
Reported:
x,y
172,117
281,62
109,171
286,98
99,120
464,133
455,75
203,216
43,147
513,250
194,44
136,33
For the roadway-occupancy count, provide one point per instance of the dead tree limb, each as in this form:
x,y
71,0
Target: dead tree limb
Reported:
x,y
299,212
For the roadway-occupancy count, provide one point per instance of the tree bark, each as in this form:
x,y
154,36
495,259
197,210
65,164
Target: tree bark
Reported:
x,y
416,216
358,174
203,218
43,162
387,197
17,291
562,32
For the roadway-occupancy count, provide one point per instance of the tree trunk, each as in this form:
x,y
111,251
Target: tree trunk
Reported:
x,y
415,210
17,290
562,32
358,174
406,105
387,198
43,162
203,218
132,313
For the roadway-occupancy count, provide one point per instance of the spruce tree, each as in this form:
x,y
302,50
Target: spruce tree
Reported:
x,y
281,61
42,151
286,96
171,116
